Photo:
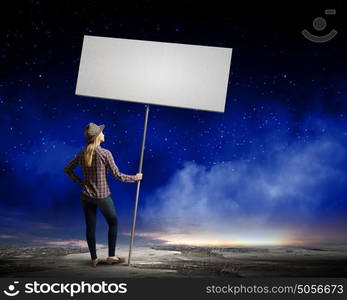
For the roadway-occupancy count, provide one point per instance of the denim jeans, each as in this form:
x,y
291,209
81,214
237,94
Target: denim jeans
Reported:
x,y
108,210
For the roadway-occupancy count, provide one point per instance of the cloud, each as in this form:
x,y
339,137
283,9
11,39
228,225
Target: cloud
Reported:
x,y
65,243
16,220
7,236
248,199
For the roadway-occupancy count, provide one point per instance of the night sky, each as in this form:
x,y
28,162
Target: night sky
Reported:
x,y
272,169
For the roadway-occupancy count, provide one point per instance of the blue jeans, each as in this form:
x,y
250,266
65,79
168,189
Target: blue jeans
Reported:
x,y
108,210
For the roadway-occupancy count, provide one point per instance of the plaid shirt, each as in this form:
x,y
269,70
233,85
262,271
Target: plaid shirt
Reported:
x,y
95,183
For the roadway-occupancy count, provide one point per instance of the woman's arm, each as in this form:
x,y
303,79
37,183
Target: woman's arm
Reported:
x,y
115,170
71,166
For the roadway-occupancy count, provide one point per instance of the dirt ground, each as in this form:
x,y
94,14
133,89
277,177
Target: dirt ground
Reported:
x,y
176,261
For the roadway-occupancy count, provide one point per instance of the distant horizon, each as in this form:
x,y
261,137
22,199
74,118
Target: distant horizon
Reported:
x,y
124,241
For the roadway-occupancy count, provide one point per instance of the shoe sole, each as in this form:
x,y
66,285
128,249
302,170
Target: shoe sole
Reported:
x,y
94,265
121,260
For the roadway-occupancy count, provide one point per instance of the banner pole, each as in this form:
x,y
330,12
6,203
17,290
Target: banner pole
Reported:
x,y
138,185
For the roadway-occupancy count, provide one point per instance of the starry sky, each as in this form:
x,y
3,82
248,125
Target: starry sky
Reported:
x,y
272,169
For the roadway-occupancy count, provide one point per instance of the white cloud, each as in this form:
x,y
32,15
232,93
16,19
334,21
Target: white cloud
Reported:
x,y
7,236
64,242
238,196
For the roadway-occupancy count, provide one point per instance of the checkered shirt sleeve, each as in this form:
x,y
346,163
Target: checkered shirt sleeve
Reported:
x,y
111,165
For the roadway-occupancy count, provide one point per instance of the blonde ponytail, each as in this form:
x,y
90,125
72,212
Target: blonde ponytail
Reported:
x,y
89,151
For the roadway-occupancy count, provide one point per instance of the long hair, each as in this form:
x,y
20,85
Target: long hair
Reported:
x,y
89,150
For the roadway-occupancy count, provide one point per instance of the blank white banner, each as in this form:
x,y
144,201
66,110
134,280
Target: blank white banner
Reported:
x,y
169,74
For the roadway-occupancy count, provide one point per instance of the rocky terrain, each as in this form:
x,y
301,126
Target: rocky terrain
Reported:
x,y
177,261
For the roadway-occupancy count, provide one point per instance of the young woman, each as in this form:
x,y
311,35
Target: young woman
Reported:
x,y
96,162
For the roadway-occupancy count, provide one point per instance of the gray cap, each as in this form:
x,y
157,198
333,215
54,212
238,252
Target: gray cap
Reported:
x,y
91,131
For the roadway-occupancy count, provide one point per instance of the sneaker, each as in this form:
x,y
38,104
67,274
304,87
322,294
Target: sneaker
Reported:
x,y
94,262
114,260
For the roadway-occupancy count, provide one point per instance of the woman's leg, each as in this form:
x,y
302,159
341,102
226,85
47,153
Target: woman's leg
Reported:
x,y
90,218
107,208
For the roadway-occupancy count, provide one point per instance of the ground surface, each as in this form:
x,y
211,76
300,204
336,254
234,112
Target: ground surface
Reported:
x,y
177,261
